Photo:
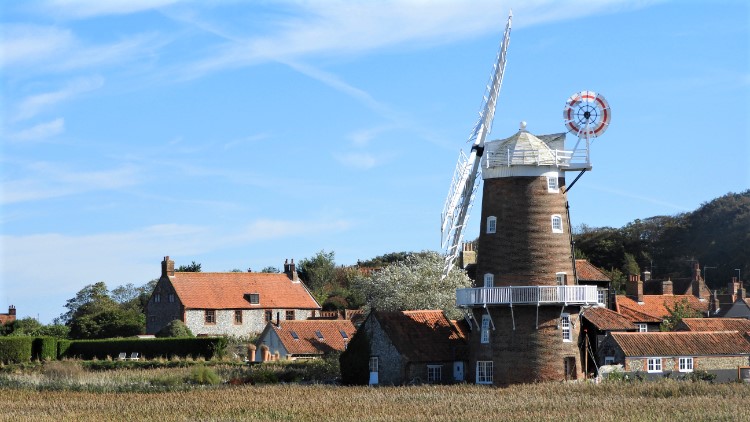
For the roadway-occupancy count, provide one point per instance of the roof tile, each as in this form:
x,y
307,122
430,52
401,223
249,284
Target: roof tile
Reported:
x,y
715,324
308,342
682,343
654,307
423,336
608,320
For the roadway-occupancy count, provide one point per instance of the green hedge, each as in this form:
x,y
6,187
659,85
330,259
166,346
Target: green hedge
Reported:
x,y
44,348
15,349
206,347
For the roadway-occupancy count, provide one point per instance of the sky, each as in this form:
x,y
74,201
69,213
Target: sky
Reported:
x,y
240,134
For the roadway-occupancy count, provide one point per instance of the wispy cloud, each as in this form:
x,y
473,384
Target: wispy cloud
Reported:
x,y
40,131
33,105
51,181
28,43
357,160
80,9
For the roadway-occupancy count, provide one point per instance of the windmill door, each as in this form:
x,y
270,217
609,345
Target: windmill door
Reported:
x,y
458,371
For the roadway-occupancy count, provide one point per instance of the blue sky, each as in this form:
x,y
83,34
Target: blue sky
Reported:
x,y
238,134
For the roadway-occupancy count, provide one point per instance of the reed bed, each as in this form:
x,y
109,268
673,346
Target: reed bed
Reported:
x,y
657,401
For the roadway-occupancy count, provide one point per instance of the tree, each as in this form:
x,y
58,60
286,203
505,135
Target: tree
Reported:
x,y
31,327
318,270
92,313
412,284
679,311
193,267
90,293
270,269
175,328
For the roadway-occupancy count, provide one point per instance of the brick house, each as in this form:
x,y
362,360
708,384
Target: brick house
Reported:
x,y
8,318
232,303
658,354
397,348
647,311
305,339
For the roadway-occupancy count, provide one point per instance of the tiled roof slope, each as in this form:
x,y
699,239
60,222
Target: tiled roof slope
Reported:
x,y
714,324
682,343
227,290
607,320
654,307
423,335
308,341
587,271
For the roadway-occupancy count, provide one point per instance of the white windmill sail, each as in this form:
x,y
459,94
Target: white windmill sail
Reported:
x,y
465,182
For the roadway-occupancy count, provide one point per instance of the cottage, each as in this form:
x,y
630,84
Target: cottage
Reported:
x,y
732,304
714,324
303,339
589,275
10,317
394,348
658,354
647,312
232,303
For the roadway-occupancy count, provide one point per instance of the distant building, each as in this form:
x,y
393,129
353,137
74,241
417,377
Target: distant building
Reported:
x,y
741,325
10,317
232,303
732,304
303,339
655,355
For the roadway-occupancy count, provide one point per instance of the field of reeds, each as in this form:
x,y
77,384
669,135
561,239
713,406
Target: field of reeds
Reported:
x,y
68,391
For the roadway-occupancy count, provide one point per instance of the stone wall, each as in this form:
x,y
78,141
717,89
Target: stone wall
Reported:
x,y
161,313
253,321
528,353
390,362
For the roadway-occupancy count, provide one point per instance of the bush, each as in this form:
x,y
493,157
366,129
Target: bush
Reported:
x,y
204,376
44,348
175,328
701,375
15,349
201,347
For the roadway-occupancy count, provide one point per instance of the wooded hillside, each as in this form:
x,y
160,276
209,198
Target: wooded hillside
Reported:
x,y
717,235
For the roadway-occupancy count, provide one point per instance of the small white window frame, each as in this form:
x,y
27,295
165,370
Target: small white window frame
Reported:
x,y
484,337
557,224
489,280
654,365
484,371
566,328
491,224
609,360
685,364
561,278
642,327
553,186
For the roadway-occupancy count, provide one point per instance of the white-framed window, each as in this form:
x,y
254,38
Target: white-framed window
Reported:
x,y
686,364
485,333
434,373
654,365
491,224
601,296
552,185
484,372
560,278
557,224
565,327
373,364
609,360
489,280
642,327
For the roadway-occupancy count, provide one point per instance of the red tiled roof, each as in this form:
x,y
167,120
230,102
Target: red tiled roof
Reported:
x,y
227,290
6,318
715,324
607,320
423,336
308,342
587,271
682,343
654,307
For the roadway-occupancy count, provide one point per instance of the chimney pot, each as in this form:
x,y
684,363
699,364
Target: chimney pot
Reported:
x,y
11,310
666,288
167,267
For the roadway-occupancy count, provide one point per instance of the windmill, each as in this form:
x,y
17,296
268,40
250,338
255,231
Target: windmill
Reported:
x,y
465,182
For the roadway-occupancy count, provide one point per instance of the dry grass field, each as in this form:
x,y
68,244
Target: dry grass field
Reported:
x,y
667,401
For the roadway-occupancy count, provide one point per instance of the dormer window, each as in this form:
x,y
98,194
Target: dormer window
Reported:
x,y
552,184
489,280
557,224
491,224
253,298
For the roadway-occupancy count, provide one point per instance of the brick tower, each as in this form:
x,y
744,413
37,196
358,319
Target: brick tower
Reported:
x,y
525,301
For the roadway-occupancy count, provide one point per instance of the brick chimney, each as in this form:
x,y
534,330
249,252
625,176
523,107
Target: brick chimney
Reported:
x,y
715,304
468,255
666,288
734,285
698,283
11,310
167,267
291,270
634,288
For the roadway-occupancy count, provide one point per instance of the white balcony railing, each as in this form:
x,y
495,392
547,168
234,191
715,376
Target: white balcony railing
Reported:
x,y
527,295
578,158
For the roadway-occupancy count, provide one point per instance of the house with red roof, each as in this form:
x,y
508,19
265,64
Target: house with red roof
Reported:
x,y
8,318
678,353
230,303
741,325
402,347
590,275
596,323
304,339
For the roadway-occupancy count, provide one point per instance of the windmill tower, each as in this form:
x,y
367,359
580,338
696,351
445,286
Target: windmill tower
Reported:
x,y
525,302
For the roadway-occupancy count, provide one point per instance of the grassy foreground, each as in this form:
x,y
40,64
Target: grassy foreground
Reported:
x,y
667,400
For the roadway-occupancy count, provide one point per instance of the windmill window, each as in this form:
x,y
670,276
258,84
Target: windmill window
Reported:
x,y
485,334
343,334
560,278
491,224
552,185
565,327
484,372
489,280
294,335
557,224
319,335
434,373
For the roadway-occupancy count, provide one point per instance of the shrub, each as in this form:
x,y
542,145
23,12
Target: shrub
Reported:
x,y
204,376
44,348
15,349
201,347
175,328
701,375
